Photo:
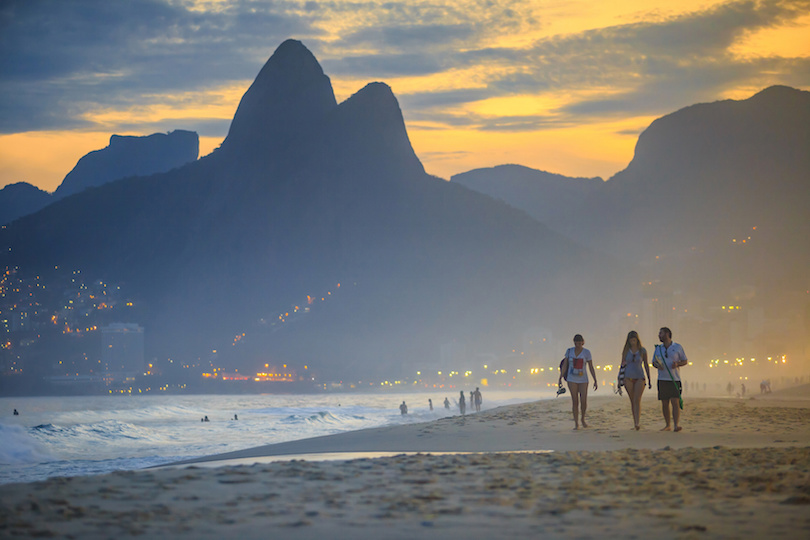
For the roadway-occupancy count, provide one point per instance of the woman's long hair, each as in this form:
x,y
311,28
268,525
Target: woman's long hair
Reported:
x,y
631,334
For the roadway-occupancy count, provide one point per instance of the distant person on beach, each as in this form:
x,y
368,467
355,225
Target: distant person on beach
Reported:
x,y
478,399
403,409
472,400
669,355
634,362
205,419
462,406
16,413
430,404
573,366
235,417
742,389
446,403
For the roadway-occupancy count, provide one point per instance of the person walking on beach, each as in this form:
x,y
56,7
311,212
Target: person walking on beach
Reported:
x,y
668,358
462,406
403,409
447,404
430,404
574,366
634,357
478,399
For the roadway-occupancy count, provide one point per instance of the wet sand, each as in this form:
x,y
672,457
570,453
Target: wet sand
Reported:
x,y
740,468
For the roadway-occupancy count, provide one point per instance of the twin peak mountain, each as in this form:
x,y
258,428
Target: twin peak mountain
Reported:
x,y
290,113
305,193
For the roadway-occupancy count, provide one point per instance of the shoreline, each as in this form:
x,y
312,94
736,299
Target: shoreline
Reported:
x,y
546,425
739,468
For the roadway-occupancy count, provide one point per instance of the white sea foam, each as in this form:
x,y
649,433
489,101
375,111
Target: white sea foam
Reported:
x,y
90,435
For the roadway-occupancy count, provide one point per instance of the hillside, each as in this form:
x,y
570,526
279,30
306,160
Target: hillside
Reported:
x,y
303,194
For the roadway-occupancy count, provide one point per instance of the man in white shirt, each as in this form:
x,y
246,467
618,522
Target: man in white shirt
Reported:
x,y
669,354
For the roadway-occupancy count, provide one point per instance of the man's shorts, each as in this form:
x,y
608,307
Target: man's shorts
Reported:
x,y
666,390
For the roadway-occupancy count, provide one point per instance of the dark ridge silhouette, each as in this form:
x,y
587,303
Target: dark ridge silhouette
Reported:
x,y
545,196
21,199
124,157
131,156
290,96
303,194
713,205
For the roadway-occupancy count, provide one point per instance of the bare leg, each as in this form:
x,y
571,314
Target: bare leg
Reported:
x,y
629,385
665,410
676,413
638,390
583,397
574,388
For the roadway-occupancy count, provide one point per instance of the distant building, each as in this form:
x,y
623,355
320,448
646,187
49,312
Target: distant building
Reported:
x,y
122,350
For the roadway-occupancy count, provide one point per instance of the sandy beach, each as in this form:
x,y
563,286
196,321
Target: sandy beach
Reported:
x,y
739,469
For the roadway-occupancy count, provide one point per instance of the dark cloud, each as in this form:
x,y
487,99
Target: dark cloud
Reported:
x,y
79,55
408,38
661,65
61,60
385,65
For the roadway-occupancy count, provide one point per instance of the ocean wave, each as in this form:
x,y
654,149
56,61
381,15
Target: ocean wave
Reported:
x,y
19,447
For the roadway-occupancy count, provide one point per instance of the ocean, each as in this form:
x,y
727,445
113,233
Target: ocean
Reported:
x,y
77,436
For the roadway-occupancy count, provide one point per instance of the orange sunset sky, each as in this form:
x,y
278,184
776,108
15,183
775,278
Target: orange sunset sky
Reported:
x,y
562,86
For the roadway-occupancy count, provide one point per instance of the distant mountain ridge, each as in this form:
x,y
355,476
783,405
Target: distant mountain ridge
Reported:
x,y
702,181
131,156
543,195
125,156
21,199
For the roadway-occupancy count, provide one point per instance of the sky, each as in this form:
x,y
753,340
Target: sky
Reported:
x,y
561,86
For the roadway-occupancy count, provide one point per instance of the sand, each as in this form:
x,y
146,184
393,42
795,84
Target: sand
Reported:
x,y
739,469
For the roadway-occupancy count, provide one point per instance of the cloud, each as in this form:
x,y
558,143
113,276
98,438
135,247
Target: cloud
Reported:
x,y
71,57
61,62
639,69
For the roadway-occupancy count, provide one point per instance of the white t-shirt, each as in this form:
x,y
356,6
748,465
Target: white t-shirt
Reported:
x,y
671,355
577,365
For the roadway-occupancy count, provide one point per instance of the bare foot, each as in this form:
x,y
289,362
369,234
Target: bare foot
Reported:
x,y
666,428
583,423
678,428
638,427
576,428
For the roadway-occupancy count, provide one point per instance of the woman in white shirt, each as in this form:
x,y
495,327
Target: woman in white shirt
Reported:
x,y
573,366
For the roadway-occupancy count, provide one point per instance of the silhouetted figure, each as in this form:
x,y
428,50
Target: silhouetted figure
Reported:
x,y
730,388
430,404
16,413
742,388
478,399
235,417
462,404
205,419
447,404
403,409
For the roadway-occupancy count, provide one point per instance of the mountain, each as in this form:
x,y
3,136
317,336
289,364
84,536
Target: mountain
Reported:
x,y
242,251
21,199
545,196
124,157
131,156
713,207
